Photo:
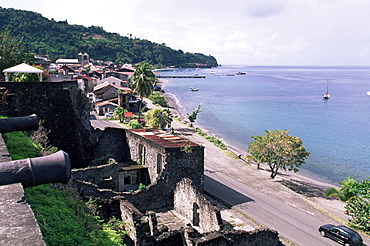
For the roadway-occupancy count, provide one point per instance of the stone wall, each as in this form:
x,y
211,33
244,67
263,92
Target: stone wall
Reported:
x,y
168,164
112,143
195,208
63,111
18,225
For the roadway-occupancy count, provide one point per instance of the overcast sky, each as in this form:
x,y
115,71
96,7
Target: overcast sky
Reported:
x,y
246,32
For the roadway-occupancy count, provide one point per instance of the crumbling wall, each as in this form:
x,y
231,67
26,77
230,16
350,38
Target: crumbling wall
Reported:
x,y
195,208
259,237
104,176
169,164
112,143
63,111
147,152
132,218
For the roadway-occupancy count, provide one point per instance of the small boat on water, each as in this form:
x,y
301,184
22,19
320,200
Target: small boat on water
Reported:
x,y
194,89
240,73
368,93
326,95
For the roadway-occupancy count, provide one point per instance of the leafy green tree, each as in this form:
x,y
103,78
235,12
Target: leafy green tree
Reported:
x,y
158,118
344,193
358,207
157,98
359,210
12,51
279,150
119,113
143,81
193,116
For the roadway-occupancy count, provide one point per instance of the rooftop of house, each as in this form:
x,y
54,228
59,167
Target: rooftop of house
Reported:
x,y
101,88
163,138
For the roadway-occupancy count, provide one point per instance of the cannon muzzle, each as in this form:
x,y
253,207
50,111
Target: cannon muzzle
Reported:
x,y
25,123
54,168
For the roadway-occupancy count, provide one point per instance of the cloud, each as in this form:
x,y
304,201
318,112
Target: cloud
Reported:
x,y
263,8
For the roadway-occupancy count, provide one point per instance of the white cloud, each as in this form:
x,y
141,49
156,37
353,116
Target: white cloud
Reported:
x,y
316,32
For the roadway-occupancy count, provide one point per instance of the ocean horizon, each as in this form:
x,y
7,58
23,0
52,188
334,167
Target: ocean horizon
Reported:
x,y
234,108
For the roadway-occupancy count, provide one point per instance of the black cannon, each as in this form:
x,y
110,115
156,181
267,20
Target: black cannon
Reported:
x,y
54,168
25,123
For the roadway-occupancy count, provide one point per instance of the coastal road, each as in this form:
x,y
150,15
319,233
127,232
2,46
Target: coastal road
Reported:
x,y
294,225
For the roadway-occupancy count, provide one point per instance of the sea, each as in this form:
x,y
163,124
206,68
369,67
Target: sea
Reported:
x,y
234,108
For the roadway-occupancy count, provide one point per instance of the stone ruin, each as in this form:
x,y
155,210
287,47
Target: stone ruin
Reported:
x,y
172,209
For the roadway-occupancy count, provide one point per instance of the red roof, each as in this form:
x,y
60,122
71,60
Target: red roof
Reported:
x,y
128,114
163,138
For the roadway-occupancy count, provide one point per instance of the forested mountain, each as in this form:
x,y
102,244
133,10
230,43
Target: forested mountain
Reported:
x,y
58,39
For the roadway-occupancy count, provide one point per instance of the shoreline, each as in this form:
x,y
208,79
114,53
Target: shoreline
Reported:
x,y
174,107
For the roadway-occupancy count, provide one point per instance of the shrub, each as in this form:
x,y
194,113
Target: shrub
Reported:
x,y
134,124
157,98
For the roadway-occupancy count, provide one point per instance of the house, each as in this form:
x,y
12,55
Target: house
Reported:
x,y
106,107
96,74
114,81
128,116
86,83
122,96
123,73
70,70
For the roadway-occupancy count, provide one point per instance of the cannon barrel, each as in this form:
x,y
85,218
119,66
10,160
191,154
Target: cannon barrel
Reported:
x,y
54,168
24,123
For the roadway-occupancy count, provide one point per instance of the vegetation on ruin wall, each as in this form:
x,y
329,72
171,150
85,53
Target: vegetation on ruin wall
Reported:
x,y
58,39
64,219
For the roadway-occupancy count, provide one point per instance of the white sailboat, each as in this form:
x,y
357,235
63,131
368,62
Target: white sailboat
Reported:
x,y
326,95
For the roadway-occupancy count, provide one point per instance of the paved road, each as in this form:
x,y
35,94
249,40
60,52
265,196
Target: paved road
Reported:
x,y
296,226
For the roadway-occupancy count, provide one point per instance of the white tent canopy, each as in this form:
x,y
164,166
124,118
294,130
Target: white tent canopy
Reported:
x,y
22,68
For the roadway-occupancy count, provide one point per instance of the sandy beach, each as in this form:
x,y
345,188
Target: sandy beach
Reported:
x,y
302,192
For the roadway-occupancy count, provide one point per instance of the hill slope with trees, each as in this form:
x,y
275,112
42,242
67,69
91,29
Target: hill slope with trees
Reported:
x,y
58,39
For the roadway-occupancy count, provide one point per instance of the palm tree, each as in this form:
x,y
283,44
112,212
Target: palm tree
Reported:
x,y
344,193
118,112
143,81
158,118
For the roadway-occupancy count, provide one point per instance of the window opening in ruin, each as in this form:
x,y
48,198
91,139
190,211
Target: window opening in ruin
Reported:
x,y
159,163
195,214
127,180
142,154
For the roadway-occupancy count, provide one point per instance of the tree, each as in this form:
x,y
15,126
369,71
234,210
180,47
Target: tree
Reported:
x,y
158,118
358,206
359,209
193,116
119,113
344,193
11,51
279,150
143,81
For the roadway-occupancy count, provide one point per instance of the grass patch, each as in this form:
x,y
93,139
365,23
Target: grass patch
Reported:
x,y
212,139
64,218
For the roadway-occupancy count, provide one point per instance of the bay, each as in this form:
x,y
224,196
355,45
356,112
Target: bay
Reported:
x,y
234,108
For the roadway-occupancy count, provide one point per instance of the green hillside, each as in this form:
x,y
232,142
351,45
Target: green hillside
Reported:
x,y
58,39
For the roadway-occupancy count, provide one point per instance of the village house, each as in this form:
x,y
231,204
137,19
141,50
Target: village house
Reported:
x,y
109,96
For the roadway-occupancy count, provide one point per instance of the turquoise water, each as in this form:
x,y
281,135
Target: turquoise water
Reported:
x,y
335,131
